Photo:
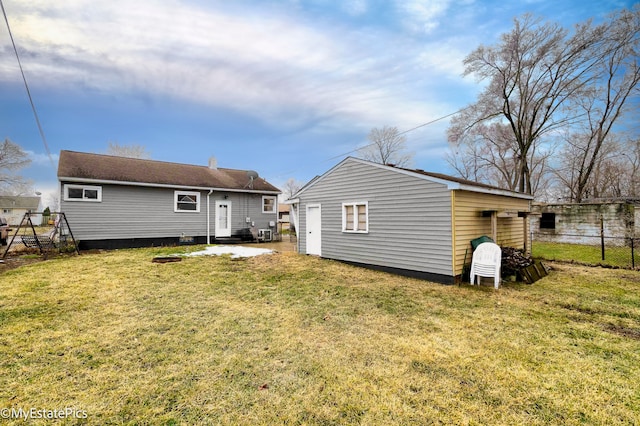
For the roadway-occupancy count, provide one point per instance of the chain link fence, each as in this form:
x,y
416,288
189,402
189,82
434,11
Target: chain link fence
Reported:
x,y
596,250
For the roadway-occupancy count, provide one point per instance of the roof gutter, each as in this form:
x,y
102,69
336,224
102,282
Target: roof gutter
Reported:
x,y
493,191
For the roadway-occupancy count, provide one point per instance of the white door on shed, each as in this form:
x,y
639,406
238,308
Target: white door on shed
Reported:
x,y
223,218
314,229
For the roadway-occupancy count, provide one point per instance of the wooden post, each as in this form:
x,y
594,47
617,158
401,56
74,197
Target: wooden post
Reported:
x,y
494,226
602,235
525,230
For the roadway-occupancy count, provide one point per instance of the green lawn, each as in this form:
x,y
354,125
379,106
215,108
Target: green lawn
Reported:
x,y
290,339
586,254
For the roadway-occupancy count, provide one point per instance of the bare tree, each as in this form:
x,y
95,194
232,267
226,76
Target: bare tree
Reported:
x,y
487,154
291,186
387,146
131,151
467,160
605,101
615,172
54,201
12,159
533,74
633,182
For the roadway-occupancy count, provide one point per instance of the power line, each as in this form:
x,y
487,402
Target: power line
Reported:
x,y
434,121
401,133
26,85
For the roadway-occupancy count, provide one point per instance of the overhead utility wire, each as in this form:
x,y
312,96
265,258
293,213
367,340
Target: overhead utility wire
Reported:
x,y
26,85
401,133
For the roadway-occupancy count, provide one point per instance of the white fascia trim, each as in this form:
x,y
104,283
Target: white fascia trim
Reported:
x,y
317,179
449,184
162,185
291,201
504,192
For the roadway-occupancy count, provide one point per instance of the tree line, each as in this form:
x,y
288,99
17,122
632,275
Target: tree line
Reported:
x,y
558,113
557,117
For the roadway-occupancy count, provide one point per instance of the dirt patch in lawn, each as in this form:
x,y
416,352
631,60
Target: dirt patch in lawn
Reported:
x,y
16,262
28,258
632,333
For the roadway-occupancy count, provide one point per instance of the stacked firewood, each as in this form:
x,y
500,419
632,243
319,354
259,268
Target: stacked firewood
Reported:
x,y
513,260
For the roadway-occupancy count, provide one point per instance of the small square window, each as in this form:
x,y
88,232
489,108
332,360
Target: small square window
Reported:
x,y
355,217
548,221
268,204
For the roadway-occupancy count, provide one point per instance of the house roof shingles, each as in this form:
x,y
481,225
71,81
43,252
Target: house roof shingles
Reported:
x,y
452,178
107,168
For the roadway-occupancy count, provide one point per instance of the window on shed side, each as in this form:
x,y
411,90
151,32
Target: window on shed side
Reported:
x,y
355,217
548,221
187,201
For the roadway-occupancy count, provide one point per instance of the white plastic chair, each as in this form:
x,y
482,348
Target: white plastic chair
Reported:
x,y
486,262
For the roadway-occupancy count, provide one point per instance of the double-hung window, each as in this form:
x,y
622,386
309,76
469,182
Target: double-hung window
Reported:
x,y
268,204
355,217
186,201
83,193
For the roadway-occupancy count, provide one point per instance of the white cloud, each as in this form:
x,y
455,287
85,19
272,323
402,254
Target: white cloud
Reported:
x,y
444,58
43,160
272,65
49,194
423,15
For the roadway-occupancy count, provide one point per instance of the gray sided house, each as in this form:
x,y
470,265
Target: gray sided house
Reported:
x,y
114,202
405,221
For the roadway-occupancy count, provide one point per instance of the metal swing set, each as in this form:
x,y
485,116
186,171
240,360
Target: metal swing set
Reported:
x,y
59,237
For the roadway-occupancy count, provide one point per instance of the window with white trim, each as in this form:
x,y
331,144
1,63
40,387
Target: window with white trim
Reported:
x,y
355,217
186,201
83,193
268,204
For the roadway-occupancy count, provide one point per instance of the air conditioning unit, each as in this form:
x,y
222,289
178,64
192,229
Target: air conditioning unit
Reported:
x,y
264,235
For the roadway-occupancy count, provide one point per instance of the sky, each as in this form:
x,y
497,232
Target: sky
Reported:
x,y
286,88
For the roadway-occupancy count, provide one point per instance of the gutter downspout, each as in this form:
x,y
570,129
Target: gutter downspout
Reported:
x,y
208,219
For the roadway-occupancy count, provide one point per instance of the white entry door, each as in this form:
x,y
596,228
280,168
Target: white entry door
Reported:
x,y
223,218
314,230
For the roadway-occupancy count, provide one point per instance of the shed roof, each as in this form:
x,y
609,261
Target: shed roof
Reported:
x,y
452,182
82,166
19,202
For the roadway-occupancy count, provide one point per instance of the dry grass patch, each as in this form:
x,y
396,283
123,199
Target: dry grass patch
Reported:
x,y
290,339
